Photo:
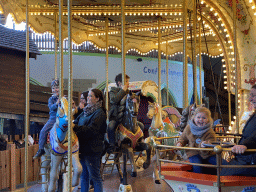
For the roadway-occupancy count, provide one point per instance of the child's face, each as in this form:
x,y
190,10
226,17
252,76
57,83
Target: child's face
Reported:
x,y
201,119
55,91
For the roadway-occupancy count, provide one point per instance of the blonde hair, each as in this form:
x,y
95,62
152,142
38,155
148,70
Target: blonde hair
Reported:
x,y
204,110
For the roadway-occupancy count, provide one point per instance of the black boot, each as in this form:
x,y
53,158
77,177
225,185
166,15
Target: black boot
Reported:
x,y
111,148
39,153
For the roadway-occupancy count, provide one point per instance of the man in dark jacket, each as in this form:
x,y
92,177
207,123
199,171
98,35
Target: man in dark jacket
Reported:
x,y
247,141
116,94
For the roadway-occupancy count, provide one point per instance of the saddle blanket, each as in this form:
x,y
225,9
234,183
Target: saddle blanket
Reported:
x,y
134,137
62,148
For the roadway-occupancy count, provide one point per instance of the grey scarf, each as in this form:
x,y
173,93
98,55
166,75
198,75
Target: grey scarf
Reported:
x,y
199,131
89,109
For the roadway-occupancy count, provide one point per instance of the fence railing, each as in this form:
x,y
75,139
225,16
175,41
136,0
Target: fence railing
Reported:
x,y
12,166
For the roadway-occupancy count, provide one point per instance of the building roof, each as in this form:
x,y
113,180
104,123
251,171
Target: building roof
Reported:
x,y
16,40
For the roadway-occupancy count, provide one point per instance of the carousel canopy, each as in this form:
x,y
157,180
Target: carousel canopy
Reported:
x,y
141,22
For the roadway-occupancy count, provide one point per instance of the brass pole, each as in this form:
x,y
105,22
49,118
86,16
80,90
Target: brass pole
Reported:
x,y
229,107
159,62
123,40
61,78
167,75
185,59
27,98
55,45
106,25
70,95
194,53
236,65
200,64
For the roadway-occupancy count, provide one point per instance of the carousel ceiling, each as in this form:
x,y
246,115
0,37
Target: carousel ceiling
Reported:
x,y
141,28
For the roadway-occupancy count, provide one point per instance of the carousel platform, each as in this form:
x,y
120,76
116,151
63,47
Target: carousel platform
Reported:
x,y
144,182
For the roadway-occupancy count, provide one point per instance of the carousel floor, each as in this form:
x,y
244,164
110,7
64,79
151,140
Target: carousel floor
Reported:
x,y
144,182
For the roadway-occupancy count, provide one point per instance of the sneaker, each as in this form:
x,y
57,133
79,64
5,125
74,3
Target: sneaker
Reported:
x,y
39,153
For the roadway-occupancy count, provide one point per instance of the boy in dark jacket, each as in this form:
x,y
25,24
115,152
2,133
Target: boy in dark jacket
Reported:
x,y
53,106
116,94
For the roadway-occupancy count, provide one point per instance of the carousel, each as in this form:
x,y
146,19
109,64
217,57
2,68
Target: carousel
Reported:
x,y
190,28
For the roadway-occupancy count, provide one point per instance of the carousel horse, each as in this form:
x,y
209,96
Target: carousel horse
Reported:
x,y
187,113
130,137
161,127
57,150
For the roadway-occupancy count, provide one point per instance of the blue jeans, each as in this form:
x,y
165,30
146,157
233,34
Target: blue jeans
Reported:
x,y
240,160
112,131
199,159
91,171
43,133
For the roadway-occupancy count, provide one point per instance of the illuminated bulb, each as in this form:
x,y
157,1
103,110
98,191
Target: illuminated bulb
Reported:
x,y
225,88
253,7
225,82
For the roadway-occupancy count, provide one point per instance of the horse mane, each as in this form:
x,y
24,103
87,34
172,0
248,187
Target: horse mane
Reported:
x,y
187,114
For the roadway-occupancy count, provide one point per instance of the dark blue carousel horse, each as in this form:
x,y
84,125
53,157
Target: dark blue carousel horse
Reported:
x,y
130,137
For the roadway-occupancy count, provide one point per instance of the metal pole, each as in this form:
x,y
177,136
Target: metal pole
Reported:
x,y
218,158
56,45
27,98
194,53
61,78
185,59
70,91
106,24
200,64
123,40
159,62
229,106
236,65
167,75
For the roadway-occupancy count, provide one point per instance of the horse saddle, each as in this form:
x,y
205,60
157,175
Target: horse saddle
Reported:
x,y
62,147
125,133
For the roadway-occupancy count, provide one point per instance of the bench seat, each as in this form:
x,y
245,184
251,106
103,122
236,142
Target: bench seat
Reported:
x,y
205,179
175,167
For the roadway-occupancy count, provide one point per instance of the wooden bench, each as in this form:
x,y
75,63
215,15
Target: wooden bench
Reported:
x,y
206,179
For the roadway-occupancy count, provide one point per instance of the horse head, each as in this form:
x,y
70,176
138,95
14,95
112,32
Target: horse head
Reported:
x,y
62,119
133,103
155,113
152,110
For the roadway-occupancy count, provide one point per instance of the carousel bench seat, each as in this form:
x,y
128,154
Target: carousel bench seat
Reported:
x,y
205,179
175,167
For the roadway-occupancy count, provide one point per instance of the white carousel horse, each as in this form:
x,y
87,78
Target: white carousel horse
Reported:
x,y
160,128
57,149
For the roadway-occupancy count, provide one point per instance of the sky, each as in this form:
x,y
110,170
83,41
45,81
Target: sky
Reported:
x,y
10,22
